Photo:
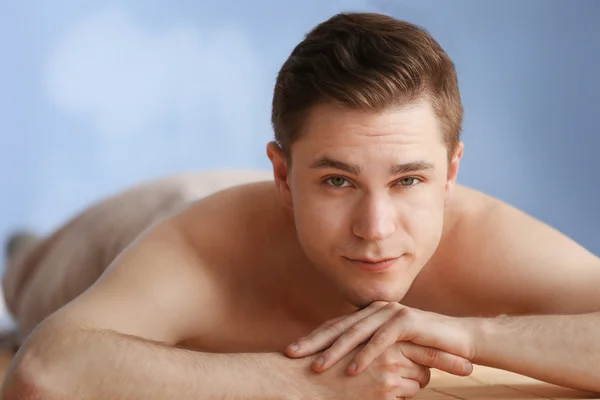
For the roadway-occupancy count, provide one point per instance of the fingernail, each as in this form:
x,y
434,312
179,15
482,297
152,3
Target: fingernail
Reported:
x,y
294,347
352,367
320,362
468,368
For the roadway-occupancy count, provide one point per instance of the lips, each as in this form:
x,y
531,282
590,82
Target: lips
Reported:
x,y
372,260
373,264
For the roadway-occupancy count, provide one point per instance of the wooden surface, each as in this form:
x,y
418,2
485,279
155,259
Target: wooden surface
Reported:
x,y
483,384
487,383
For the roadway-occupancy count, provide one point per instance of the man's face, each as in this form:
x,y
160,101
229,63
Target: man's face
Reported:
x,y
367,191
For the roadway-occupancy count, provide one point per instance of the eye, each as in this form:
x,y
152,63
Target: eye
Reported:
x,y
410,181
337,181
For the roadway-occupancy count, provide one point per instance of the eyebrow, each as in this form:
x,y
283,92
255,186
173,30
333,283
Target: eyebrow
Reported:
x,y
396,169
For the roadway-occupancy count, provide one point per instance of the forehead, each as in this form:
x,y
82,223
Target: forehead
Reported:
x,y
412,127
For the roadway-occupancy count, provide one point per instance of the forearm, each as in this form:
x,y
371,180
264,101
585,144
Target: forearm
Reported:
x,y
92,365
560,349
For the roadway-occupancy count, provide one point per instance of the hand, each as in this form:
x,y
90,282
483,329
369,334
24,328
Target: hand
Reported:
x,y
447,345
392,375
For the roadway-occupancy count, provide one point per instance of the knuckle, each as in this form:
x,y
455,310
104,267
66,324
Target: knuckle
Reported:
x,y
338,348
431,354
410,388
390,364
354,330
389,382
393,366
378,339
327,325
331,321
332,327
388,358
455,364
452,363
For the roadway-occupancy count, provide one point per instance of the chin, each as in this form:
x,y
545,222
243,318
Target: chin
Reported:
x,y
362,298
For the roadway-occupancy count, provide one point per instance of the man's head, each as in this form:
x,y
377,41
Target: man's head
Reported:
x,y
367,118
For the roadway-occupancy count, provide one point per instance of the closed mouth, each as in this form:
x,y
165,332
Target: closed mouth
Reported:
x,y
372,260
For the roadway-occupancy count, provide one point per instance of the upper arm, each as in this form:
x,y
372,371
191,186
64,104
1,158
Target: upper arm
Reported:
x,y
157,289
518,264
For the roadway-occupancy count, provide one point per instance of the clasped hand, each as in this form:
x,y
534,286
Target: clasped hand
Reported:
x,y
410,340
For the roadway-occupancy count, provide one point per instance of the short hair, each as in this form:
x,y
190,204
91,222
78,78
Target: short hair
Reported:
x,y
365,61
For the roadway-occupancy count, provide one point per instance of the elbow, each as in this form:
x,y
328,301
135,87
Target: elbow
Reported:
x,y
17,387
32,375
25,382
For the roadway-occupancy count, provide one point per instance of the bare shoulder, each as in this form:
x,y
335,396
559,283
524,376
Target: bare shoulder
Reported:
x,y
506,261
243,220
156,289
503,229
167,285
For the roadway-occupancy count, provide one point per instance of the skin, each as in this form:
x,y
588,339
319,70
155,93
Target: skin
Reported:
x,y
207,303
40,279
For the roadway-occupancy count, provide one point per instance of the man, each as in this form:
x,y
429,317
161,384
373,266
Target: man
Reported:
x,y
361,266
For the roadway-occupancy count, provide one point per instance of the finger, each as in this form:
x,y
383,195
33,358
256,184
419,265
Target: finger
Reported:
x,y
327,333
417,372
407,389
435,358
357,334
292,350
396,328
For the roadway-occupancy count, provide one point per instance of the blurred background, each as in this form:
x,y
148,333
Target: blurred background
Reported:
x,y
98,95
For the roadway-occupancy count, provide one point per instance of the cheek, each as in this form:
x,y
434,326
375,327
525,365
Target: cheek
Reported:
x,y
318,221
426,215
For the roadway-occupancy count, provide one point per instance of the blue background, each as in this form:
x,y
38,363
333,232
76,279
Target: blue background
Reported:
x,y
97,95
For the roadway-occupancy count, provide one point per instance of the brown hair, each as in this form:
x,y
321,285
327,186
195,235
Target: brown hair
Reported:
x,y
365,61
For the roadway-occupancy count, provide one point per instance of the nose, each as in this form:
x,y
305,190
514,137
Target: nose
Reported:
x,y
375,218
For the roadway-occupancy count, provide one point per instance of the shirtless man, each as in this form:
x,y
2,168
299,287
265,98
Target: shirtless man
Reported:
x,y
362,252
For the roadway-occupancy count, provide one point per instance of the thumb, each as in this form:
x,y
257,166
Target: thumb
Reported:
x,y
436,358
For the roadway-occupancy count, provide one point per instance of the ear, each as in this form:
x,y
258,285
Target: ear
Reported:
x,y
281,172
453,168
